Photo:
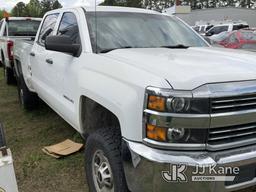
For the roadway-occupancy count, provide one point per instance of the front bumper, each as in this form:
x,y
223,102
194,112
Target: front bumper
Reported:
x,y
144,165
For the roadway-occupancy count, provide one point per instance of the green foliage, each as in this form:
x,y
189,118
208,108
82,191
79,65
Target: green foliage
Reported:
x,y
19,10
34,8
48,5
2,13
195,4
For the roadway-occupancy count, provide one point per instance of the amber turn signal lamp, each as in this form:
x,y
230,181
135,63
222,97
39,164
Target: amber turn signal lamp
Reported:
x,y
156,103
156,133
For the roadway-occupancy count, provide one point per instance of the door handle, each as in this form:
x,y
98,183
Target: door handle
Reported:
x,y
32,54
49,61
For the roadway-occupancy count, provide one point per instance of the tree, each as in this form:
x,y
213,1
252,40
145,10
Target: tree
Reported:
x,y
19,10
3,13
33,9
56,5
45,6
48,5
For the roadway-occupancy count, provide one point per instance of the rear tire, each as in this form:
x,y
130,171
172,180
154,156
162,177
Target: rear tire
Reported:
x,y
104,168
28,100
9,76
2,136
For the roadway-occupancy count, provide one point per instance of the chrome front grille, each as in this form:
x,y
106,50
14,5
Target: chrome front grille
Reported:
x,y
233,134
231,104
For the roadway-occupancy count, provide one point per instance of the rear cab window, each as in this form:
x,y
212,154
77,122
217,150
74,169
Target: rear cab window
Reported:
x,y
23,27
47,28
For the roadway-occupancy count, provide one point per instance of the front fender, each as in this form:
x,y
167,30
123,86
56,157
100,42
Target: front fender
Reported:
x,y
124,98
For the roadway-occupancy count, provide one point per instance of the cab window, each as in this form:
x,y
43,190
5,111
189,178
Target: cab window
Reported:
x,y
219,29
69,27
233,39
47,28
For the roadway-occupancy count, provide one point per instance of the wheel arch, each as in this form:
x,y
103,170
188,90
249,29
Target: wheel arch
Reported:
x,y
94,116
17,66
2,55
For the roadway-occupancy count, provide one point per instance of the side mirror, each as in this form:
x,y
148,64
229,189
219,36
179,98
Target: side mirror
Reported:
x,y
62,44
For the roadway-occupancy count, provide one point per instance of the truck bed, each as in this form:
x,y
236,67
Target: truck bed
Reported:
x,y
21,51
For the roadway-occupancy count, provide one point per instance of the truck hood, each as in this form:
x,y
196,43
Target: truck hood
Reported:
x,y
189,68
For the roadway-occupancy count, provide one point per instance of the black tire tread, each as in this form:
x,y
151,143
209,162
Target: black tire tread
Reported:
x,y
31,100
9,76
2,136
110,138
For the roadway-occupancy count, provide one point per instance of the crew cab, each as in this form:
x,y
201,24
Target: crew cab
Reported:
x,y
12,28
147,93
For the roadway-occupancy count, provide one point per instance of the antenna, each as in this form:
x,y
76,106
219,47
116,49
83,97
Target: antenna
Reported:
x,y
96,27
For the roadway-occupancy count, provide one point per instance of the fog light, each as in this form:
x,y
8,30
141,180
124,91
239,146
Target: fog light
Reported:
x,y
175,134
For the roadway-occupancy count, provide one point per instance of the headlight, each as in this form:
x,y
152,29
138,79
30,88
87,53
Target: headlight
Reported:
x,y
176,135
165,112
178,104
166,100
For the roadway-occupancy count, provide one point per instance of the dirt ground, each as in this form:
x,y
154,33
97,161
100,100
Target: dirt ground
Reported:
x,y
27,133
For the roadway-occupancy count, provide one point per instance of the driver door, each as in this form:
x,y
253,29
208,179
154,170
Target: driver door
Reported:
x,y
64,67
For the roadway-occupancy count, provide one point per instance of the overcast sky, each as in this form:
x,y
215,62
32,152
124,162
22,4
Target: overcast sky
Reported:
x,y
9,4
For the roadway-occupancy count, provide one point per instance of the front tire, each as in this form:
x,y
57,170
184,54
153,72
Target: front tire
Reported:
x,y
104,169
28,100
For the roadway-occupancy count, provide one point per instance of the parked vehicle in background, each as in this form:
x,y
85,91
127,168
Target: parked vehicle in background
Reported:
x,y
226,27
13,28
201,29
242,39
216,39
147,93
219,37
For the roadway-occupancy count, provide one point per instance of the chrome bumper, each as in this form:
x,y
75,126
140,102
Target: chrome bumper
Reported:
x,y
143,167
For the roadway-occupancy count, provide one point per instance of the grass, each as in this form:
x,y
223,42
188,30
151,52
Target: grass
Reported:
x,y
26,134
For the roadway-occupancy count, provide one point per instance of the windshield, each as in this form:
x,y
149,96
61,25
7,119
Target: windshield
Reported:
x,y
23,27
139,30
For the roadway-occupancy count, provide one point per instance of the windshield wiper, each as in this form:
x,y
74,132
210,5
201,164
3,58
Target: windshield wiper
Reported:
x,y
112,49
178,46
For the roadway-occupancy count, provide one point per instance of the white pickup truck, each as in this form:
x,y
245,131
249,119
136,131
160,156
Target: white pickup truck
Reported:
x,y
147,93
12,28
